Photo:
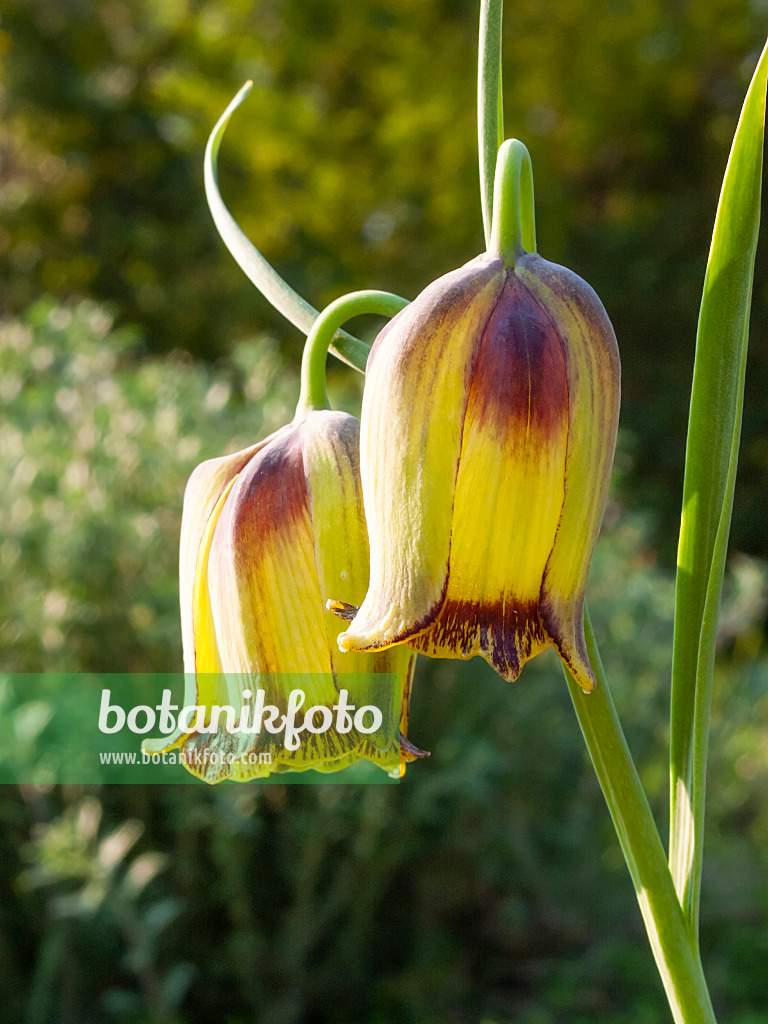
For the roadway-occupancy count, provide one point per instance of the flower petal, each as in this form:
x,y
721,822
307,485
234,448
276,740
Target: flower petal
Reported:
x,y
417,387
509,490
263,582
282,530
331,451
203,490
594,379
331,448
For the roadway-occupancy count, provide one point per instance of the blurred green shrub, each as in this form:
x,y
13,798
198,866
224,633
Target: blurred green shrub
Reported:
x,y
353,165
97,445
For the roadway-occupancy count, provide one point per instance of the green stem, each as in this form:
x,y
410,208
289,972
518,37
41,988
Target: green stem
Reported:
x,y
514,221
313,394
678,965
278,292
490,113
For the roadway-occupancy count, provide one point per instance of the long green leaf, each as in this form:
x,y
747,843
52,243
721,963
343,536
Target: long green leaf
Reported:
x,y
714,428
278,292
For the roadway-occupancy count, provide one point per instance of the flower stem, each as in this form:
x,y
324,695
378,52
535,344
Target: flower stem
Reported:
x,y
271,285
313,394
678,964
490,114
513,231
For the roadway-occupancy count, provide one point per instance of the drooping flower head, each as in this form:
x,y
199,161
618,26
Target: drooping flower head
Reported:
x,y
488,429
267,535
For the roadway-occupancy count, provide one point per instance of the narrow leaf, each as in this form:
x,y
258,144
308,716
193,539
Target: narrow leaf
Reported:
x,y
280,294
714,429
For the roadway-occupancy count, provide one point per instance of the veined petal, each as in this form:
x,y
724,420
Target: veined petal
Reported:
x,y
416,393
594,380
203,490
330,444
259,607
203,682
267,535
262,574
256,603
240,756
207,686
259,618
509,490
206,645
331,449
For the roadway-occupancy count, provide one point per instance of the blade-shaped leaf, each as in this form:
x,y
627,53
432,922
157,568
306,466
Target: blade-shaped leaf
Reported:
x,y
714,429
277,291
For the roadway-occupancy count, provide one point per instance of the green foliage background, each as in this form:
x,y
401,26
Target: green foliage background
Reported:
x,y
488,885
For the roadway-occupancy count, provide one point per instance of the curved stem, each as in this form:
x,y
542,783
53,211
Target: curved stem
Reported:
x,y
490,113
313,394
514,221
349,349
678,965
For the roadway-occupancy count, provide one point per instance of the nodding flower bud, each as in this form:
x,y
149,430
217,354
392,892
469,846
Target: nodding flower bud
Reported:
x,y
267,535
488,430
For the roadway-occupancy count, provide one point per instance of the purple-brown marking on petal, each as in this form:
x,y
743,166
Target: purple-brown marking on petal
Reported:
x,y
413,411
438,308
520,385
271,496
506,633
410,752
556,628
581,300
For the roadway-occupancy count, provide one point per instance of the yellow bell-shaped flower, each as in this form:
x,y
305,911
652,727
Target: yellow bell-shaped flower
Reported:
x,y
267,535
488,429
